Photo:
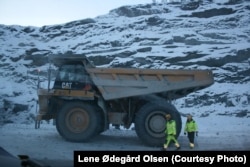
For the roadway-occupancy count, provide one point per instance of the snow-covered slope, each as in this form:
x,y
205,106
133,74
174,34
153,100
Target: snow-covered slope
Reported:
x,y
213,36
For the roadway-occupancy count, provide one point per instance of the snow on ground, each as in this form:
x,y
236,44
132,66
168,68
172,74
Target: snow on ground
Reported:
x,y
215,133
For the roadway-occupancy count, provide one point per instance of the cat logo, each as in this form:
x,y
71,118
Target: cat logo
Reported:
x,y
66,85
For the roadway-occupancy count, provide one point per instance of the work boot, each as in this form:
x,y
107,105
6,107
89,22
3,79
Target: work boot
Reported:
x,y
177,145
191,145
164,148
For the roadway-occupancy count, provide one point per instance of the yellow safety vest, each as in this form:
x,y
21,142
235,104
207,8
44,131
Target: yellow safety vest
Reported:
x,y
191,126
170,127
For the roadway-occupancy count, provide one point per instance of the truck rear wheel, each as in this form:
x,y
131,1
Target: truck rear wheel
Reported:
x,y
78,122
150,122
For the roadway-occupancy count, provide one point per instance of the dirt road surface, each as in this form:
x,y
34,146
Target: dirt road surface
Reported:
x,y
46,144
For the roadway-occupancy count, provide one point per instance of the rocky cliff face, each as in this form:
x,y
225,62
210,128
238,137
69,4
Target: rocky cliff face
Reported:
x,y
213,36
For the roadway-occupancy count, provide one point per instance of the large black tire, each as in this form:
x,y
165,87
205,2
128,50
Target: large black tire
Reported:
x,y
78,122
150,122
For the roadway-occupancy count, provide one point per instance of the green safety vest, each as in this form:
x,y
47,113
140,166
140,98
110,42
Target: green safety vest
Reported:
x,y
170,127
191,126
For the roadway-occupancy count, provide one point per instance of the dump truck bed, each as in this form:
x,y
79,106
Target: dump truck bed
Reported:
x,y
115,83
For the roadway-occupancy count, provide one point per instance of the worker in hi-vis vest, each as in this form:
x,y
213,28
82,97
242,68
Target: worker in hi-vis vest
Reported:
x,y
191,129
170,133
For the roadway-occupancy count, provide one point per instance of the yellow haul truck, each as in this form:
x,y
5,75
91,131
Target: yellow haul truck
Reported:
x,y
85,99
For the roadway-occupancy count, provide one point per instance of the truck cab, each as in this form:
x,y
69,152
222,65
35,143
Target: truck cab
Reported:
x,y
73,76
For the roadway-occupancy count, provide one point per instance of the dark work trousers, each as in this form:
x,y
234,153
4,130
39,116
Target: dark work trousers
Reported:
x,y
191,137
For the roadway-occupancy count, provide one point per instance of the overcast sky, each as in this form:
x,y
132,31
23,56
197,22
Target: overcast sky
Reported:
x,y
49,12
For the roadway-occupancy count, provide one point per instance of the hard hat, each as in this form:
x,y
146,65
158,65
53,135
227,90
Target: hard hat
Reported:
x,y
189,116
168,116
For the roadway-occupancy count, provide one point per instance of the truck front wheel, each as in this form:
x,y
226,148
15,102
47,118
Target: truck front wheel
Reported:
x,y
150,122
77,122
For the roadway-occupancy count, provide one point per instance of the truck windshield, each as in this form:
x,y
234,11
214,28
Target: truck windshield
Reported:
x,y
72,73
75,75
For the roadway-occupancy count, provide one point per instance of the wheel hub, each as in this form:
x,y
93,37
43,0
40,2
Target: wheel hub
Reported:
x,y
77,120
155,124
